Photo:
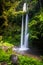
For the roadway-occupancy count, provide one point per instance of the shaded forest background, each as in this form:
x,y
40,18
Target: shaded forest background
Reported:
x,y
11,17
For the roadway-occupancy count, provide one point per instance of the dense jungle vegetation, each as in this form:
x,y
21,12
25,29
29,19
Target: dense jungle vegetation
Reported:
x,y
11,17
10,26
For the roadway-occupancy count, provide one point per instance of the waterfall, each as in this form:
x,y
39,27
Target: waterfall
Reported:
x,y
24,30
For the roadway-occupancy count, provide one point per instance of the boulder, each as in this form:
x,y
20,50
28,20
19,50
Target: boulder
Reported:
x,y
14,59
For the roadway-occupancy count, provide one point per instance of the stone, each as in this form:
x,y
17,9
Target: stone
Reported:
x,y
14,59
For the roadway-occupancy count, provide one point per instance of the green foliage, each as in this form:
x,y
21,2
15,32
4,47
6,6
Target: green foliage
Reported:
x,y
36,26
11,16
36,30
3,56
10,27
2,43
11,40
24,60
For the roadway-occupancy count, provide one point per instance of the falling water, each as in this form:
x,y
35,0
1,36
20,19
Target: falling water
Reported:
x,y
24,33
24,7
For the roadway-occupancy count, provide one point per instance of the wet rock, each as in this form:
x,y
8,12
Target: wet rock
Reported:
x,y
14,59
